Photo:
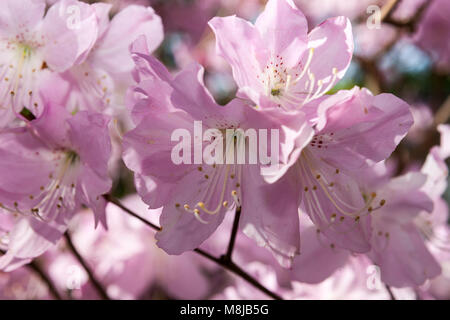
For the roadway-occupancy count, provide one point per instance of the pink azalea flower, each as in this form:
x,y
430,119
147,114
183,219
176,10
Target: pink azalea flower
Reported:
x,y
33,44
398,247
196,197
101,80
55,164
352,129
318,260
434,226
276,62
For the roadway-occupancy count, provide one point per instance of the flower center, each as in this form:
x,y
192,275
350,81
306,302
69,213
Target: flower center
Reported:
x,y
328,197
288,86
220,183
19,66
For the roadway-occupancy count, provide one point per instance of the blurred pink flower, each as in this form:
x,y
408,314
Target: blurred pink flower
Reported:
x,y
126,259
356,280
434,226
370,42
423,121
22,284
318,11
433,32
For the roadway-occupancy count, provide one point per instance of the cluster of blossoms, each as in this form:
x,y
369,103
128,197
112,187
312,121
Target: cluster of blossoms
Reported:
x,y
81,92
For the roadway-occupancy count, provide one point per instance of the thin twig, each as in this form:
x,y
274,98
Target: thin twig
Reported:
x,y
234,231
111,199
98,286
411,24
389,290
51,287
226,264
388,8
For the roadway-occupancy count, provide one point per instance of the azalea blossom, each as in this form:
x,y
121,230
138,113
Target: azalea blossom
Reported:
x,y
34,42
276,62
398,247
102,78
52,166
434,225
224,149
353,129
191,214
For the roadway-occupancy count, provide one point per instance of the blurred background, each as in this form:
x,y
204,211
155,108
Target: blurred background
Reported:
x,y
408,54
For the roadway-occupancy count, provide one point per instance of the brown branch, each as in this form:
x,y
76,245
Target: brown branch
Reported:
x,y
51,287
388,8
96,283
412,23
227,256
389,290
225,263
443,113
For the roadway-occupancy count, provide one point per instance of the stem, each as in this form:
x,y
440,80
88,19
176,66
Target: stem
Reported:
x,y
410,25
388,8
391,294
111,199
51,287
101,291
226,264
234,230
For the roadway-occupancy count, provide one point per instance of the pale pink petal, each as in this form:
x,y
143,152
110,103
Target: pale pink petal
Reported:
x,y
333,46
70,29
270,215
284,29
240,44
317,260
111,51
20,18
